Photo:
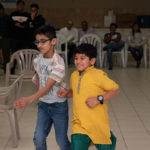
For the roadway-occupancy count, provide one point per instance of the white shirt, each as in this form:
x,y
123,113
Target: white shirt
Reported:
x,y
50,68
70,35
136,40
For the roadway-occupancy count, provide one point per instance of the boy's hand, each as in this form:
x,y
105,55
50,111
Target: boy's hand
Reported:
x,y
62,93
92,102
21,102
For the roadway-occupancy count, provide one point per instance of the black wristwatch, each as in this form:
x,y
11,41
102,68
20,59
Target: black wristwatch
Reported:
x,y
100,98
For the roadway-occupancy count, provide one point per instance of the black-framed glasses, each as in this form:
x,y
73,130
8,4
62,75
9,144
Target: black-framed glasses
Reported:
x,y
41,42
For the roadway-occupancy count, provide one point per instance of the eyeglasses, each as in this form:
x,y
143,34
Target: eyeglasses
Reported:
x,y
40,42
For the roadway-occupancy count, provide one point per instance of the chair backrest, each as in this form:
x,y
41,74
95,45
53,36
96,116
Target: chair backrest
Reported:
x,y
6,91
92,39
60,40
24,59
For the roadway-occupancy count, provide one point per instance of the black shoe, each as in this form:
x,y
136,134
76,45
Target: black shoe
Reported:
x,y
138,64
110,68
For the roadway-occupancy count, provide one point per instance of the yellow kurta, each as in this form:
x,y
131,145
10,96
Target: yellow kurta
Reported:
x,y
93,122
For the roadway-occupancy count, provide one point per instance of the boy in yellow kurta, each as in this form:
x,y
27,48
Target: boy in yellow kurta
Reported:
x,y
90,89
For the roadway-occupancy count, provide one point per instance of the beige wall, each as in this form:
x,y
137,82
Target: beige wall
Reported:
x,y
58,11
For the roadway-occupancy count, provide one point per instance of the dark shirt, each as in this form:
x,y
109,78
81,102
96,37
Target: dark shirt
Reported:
x,y
35,24
23,19
4,26
113,37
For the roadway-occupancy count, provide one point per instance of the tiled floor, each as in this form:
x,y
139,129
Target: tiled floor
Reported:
x,y
129,113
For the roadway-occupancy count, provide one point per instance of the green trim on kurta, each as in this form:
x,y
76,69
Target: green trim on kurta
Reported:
x,y
79,83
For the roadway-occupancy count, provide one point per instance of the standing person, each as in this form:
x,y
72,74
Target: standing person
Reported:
x,y
90,88
113,43
4,36
36,21
50,72
71,34
84,29
135,41
19,29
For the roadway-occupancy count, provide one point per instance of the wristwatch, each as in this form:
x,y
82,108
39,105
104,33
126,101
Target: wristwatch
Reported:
x,y
100,98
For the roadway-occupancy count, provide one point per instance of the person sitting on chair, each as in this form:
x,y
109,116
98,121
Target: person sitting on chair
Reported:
x,y
113,43
84,29
135,43
71,34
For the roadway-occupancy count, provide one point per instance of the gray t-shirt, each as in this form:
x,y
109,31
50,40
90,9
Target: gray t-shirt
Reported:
x,y
50,68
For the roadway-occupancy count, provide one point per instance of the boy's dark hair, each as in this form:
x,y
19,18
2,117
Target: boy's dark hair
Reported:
x,y
34,5
20,1
87,49
46,30
113,24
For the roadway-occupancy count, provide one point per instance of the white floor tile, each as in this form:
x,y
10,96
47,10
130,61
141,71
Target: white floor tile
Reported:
x,y
129,113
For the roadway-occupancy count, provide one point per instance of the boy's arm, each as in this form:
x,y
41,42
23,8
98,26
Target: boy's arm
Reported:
x,y
37,80
107,39
64,93
69,94
24,101
118,38
92,101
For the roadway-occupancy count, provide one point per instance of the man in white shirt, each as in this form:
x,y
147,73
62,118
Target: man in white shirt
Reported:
x,y
71,34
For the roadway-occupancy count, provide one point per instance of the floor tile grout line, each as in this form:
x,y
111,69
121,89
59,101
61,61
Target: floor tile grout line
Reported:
x,y
147,98
142,122
126,146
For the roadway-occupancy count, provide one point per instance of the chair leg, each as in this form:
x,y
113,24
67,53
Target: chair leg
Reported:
x,y
145,59
102,60
123,61
6,81
14,127
126,60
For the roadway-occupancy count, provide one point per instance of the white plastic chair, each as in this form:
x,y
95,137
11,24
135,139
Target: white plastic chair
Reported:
x,y
24,60
149,50
120,54
58,47
94,40
6,105
144,52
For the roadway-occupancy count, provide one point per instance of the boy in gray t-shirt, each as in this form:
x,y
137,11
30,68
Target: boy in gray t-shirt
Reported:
x,y
50,72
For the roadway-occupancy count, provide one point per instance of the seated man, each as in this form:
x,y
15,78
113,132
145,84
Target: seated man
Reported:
x,y
71,34
113,43
84,29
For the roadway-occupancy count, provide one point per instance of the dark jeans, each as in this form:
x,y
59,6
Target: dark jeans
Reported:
x,y
112,47
71,49
5,45
48,114
136,53
18,44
